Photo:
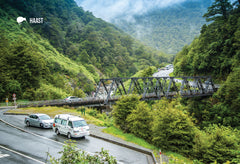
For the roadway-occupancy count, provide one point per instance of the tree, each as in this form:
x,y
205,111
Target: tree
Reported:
x,y
217,143
72,52
84,57
236,3
172,129
13,86
140,121
228,96
78,92
148,72
123,108
219,10
26,65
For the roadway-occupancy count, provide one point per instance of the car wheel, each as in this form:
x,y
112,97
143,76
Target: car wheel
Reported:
x,y
69,135
57,132
28,123
41,125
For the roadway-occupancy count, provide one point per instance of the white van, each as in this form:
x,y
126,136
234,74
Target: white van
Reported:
x,y
70,125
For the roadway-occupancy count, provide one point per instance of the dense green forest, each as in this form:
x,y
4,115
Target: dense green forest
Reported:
x,y
66,54
205,129
167,29
216,52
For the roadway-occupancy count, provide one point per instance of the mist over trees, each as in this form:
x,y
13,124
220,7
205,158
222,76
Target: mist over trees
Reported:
x,y
164,25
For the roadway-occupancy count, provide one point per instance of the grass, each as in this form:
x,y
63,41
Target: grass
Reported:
x,y
128,137
177,158
173,157
52,111
10,102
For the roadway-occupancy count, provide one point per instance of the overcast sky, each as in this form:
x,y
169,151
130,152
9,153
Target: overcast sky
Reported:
x,y
109,9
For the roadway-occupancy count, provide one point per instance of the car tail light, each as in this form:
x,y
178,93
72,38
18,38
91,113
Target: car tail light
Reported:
x,y
53,124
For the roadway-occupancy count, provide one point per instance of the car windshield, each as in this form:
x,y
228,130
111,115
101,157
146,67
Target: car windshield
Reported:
x,y
44,117
79,123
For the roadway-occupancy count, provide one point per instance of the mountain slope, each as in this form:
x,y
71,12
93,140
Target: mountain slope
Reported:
x,y
74,47
32,68
216,52
167,28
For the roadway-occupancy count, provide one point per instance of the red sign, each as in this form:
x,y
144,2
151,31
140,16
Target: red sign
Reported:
x,y
14,95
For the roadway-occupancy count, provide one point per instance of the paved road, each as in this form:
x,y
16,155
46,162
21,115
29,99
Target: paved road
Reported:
x,y
8,156
17,140
26,144
163,73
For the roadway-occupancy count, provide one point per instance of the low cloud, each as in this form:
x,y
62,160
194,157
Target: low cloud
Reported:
x,y
110,9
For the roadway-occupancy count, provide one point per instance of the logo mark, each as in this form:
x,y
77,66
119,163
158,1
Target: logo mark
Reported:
x,y
20,20
36,20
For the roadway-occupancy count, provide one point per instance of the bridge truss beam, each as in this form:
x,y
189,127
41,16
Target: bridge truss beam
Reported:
x,y
154,88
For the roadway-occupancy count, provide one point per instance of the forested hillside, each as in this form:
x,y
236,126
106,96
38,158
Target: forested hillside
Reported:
x,y
165,28
216,52
65,54
204,129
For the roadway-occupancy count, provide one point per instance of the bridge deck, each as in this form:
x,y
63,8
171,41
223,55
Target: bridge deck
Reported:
x,y
100,102
150,88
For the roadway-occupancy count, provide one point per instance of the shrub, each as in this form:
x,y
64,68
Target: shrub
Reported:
x,y
78,93
173,129
71,155
123,108
217,143
93,113
140,120
48,92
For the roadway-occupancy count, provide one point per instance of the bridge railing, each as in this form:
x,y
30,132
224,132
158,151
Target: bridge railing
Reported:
x,y
157,86
62,102
150,88
40,103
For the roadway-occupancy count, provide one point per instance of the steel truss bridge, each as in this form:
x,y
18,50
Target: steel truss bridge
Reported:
x,y
149,88
154,88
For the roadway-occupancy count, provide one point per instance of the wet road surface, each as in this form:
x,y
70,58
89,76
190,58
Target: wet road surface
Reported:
x,y
9,157
37,146
27,144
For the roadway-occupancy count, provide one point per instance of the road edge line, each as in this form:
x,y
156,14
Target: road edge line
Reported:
x,y
95,136
13,151
29,132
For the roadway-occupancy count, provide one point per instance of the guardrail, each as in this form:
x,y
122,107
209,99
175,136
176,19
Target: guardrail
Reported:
x,y
61,102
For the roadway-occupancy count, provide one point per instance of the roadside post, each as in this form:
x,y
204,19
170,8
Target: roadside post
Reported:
x,y
7,101
160,154
83,111
14,99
